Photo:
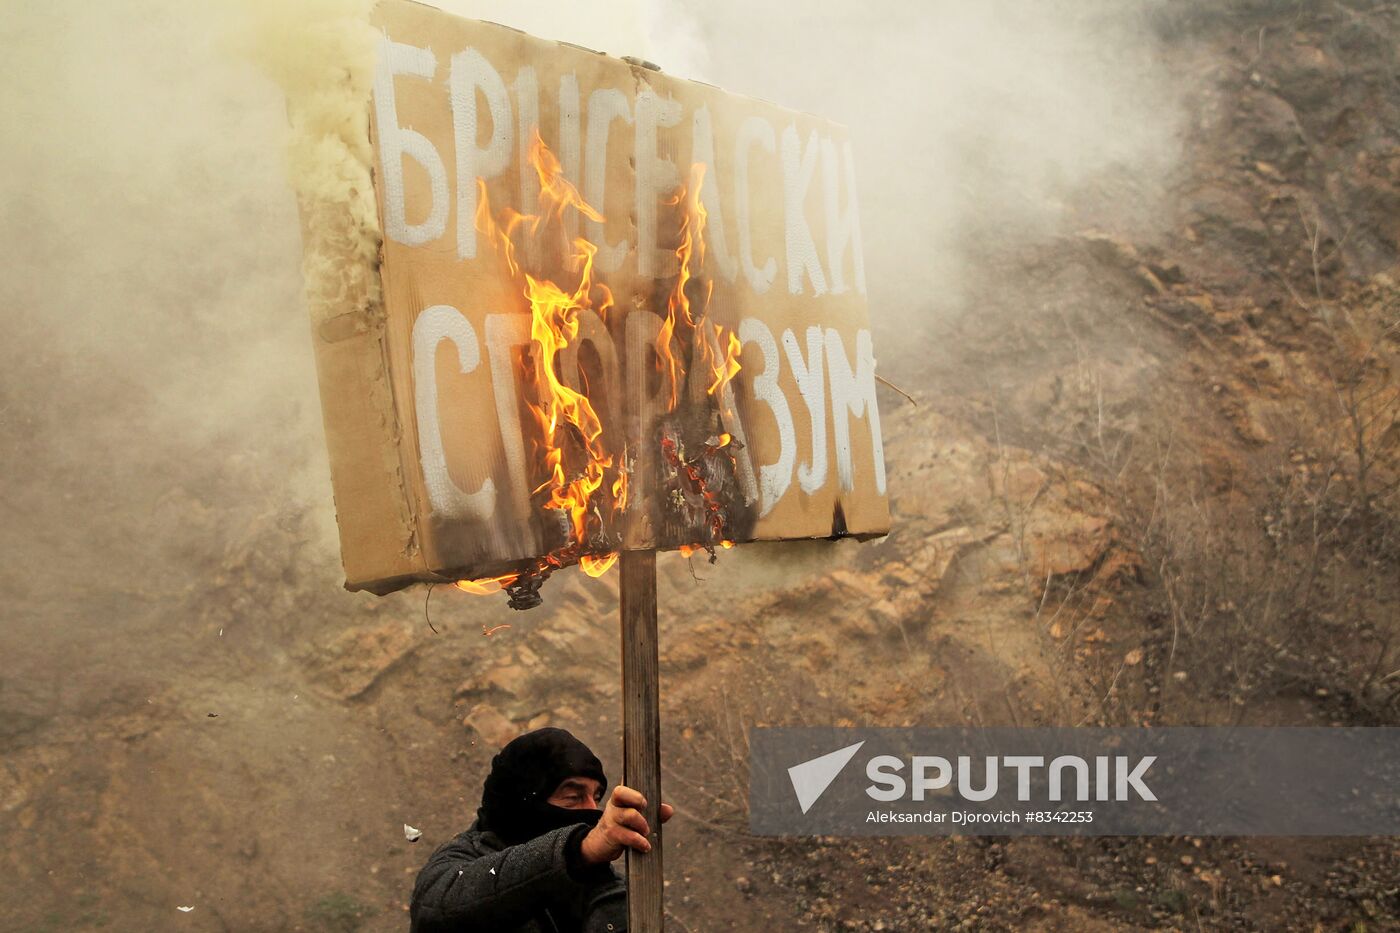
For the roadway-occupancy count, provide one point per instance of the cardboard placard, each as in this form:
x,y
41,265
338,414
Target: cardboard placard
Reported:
x,y
430,446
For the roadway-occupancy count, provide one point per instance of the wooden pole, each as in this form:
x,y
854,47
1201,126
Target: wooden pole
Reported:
x,y
641,732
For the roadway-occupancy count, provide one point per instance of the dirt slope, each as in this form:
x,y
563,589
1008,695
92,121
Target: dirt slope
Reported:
x,y
1151,478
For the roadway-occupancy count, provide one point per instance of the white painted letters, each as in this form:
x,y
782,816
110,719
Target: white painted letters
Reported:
x,y
396,142
702,141
654,177
472,73
768,177
604,106
752,130
842,228
799,163
811,382
773,478
570,139
853,393
432,326
504,333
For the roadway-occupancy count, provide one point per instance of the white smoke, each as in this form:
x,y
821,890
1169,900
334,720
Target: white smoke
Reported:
x,y
155,310
321,54
990,119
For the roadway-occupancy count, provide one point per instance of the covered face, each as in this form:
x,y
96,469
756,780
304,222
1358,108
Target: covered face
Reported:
x,y
515,800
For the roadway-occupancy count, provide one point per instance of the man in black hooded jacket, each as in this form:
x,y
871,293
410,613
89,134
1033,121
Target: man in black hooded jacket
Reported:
x,y
537,858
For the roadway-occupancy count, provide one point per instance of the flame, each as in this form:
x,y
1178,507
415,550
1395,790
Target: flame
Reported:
x,y
597,566
691,250
577,478
486,585
727,368
563,414
619,491
573,463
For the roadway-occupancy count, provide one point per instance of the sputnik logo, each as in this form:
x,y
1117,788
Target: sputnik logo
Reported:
x,y
811,778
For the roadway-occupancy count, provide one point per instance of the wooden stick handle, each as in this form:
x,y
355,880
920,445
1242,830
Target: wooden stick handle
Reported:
x,y
641,732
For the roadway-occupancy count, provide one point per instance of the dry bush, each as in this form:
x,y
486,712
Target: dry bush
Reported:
x,y
1285,579
710,750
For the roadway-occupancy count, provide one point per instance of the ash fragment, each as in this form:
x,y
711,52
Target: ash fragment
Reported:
x,y
524,593
700,496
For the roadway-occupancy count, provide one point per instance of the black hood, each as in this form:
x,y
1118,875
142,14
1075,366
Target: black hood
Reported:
x,y
514,801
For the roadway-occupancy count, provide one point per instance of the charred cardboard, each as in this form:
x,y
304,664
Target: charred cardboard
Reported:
x,y
421,396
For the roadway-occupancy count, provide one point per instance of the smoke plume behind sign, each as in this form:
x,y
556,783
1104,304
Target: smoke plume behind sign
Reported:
x,y
713,229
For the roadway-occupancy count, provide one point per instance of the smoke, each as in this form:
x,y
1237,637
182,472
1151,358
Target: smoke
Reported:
x,y
321,54
1007,121
971,122
157,385
157,361
168,528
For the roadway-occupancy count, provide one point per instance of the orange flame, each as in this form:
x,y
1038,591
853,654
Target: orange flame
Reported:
x,y
563,414
576,471
597,566
619,491
486,585
691,250
727,368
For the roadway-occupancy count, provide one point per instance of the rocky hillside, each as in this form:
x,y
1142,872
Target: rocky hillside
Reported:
x,y
1152,477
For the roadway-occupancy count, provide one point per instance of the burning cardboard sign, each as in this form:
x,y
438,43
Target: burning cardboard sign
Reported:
x,y
619,310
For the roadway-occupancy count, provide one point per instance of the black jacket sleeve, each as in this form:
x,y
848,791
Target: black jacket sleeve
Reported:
x,y
462,890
